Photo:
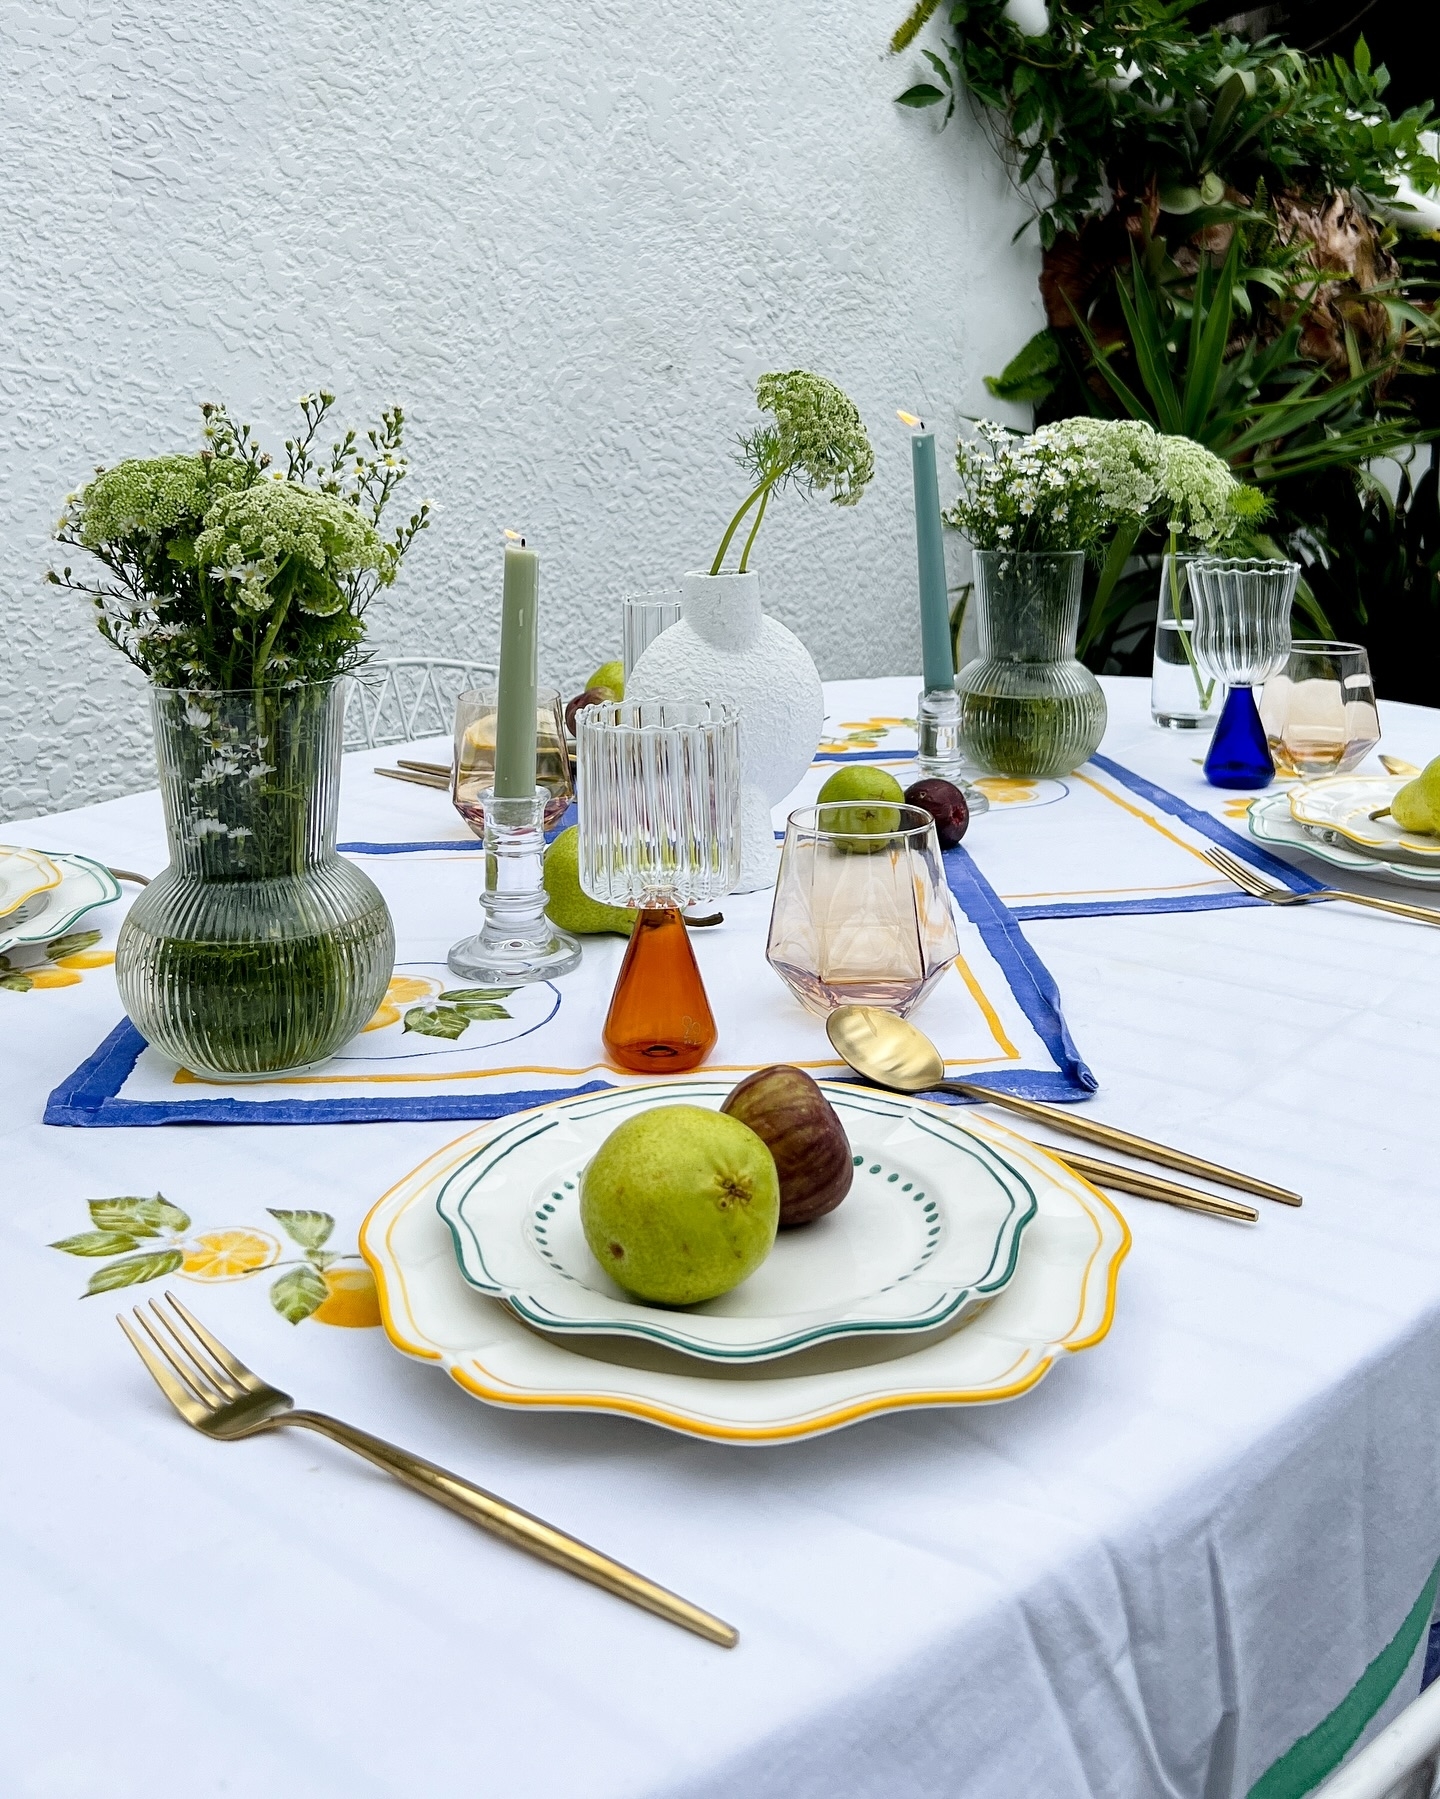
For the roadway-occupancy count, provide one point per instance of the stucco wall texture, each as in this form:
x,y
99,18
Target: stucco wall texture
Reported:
x,y
566,241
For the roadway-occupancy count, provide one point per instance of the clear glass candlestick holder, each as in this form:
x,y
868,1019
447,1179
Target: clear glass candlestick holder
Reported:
x,y
517,943
938,751
659,812
1241,636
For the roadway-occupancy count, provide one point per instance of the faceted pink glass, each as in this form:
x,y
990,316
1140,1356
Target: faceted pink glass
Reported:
x,y
862,912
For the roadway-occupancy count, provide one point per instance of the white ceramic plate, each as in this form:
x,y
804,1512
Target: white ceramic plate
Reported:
x,y
1341,806
1061,1300
1270,822
931,1226
23,874
81,884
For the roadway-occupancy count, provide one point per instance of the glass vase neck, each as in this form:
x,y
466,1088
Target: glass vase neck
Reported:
x,y
249,779
1029,603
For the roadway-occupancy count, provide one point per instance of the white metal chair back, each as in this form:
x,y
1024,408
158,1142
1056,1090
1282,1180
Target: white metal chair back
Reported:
x,y
404,697
1400,1763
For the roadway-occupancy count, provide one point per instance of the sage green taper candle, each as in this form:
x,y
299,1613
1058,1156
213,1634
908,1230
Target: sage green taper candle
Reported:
x,y
515,720
936,650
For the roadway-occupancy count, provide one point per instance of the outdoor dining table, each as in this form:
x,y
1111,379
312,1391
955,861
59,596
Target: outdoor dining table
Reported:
x,y
1198,1559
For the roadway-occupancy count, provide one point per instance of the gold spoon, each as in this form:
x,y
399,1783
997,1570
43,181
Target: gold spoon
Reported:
x,y
892,1052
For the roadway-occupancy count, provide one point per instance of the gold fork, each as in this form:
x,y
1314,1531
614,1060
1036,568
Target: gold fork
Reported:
x,y
217,1393
1251,881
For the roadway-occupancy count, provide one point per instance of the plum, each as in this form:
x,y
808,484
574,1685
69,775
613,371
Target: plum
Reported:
x,y
592,696
800,1128
945,804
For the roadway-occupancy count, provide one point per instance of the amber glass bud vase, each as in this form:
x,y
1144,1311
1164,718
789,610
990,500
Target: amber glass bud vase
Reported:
x,y
659,1020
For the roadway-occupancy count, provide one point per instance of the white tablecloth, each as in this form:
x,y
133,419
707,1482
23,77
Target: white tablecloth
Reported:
x,y
1152,1575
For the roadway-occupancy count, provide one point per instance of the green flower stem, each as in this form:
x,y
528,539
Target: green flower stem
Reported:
x,y
760,493
749,541
1121,546
1203,689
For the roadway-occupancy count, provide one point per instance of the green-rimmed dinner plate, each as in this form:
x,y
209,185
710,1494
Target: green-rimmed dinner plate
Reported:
x,y
1270,822
80,885
932,1226
23,874
1340,806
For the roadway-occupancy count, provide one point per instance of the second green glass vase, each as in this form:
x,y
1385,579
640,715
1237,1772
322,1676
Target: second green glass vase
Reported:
x,y
1028,706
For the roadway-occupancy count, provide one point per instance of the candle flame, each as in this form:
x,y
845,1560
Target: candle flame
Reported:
x,y
909,418
515,537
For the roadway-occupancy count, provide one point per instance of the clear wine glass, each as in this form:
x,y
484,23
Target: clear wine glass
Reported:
x,y
1241,636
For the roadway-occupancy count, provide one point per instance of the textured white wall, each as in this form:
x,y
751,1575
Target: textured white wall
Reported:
x,y
565,239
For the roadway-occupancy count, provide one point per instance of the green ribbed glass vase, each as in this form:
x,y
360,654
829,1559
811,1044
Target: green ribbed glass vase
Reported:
x,y
1028,706
259,950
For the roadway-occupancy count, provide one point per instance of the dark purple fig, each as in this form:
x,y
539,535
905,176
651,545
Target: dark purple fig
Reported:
x,y
945,804
592,696
800,1128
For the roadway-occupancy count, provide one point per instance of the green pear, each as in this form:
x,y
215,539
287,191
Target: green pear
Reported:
x,y
570,906
1416,807
869,797
680,1204
608,679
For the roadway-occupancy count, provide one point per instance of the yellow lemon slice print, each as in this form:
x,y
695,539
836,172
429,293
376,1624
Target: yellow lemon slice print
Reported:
x,y
404,990
228,1255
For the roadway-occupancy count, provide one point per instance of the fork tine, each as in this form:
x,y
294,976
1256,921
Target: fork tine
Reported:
x,y
1249,880
217,1375
178,1338
232,1364
194,1377
184,1401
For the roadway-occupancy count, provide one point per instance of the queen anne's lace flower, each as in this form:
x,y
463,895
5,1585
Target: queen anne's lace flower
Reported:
x,y
276,527
818,430
1074,484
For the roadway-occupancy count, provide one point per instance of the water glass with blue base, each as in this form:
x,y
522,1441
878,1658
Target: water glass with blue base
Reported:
x,y
1241,637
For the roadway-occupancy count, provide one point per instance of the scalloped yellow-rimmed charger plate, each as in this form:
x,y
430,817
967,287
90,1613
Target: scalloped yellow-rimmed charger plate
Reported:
x,y
1340,806
23,874
1061,1300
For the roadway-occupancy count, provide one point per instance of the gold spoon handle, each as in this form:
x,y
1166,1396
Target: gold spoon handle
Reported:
x,y
1151,1186
1062,1118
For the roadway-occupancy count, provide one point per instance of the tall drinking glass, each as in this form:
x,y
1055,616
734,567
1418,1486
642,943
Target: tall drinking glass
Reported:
x,y
1182,696
659,812
1319,712
643,617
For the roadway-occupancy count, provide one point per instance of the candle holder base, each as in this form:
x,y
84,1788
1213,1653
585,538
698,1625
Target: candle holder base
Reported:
x,y
939,755
517,943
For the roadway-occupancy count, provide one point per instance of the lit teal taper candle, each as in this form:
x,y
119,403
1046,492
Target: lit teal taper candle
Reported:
x,y
515,720
935,646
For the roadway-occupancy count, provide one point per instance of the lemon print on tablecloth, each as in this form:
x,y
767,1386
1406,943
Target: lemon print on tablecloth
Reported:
x,y
1236,808
404,990
61,963
862,733
352,1300
229,1255
139,1240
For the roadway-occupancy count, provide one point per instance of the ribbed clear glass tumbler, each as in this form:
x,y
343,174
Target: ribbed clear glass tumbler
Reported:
x,y
1028,706
658,797
259,950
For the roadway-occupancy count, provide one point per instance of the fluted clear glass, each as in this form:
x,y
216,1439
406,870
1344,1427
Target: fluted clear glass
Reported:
x,y
259,950
1242,616
658,801
862,912
1028,706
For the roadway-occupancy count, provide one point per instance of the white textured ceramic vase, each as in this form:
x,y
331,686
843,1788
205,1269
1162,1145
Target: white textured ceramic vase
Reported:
x,y
725,648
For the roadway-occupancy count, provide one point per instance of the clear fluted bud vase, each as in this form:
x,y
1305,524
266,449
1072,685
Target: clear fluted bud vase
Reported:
x,y
1028,706
259,950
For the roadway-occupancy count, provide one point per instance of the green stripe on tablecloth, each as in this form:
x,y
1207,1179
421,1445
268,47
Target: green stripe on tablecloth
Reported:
x,y
1306,1763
